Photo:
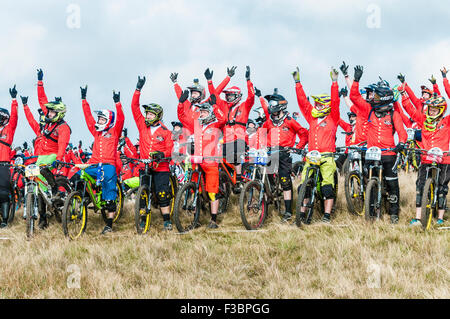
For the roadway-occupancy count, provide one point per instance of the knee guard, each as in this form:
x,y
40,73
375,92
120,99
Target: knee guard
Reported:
x,y
164,198
393,199
111,206
328,192
442,201
286,183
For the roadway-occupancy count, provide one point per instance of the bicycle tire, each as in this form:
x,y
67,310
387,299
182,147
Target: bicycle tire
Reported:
x,y
69,215
243,209
140,205
427,211
186,192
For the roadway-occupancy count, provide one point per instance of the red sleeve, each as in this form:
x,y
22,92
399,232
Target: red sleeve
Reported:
x,y
34,125
138,118
248,104
63,141
360,104
14,117
302,134
169,144
120,120
335,102
222,85
415,114
436,89
303,103
131,148
405,118
178,90
353,109
345,126
447,87
42,96
398,124
89,118
417,103
265,107
185,117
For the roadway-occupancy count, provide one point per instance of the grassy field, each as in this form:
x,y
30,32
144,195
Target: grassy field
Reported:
x,y
347,259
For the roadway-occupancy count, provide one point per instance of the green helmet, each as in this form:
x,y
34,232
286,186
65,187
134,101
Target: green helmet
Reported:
x,y
60,109
155,109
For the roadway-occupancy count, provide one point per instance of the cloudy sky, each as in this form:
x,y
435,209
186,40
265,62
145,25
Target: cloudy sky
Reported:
x,y
114,41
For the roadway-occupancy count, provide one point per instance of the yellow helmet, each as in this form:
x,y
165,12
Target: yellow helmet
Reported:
x,y
322,99
437,102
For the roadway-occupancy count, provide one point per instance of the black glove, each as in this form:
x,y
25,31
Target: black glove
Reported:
x,y
125,132
444,72
344,68
58,99
116,97
257,92
83,92
25,145
212,99
174,77
343,92
184,96
401,78
13,92
140,83
432,80
358,73
231,71
208,74
40,74
24,99
247,73
400,147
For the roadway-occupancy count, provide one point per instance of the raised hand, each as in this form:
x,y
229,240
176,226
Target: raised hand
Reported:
x,y
40,74
13,92
343,92
174,77
444,72
212,99
257,92
401,78
140,83
247,73
344,68
83,92
358,73
334,74
296,75
231,71
209,74
58,99
432,80
184,96
24,99
116,97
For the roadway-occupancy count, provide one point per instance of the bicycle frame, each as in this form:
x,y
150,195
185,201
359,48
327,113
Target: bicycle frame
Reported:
x,y
88,181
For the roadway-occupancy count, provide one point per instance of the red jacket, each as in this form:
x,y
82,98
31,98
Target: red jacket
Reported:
x,y
439,138
348,128
237,116
285,134
447,87
159,140
129,149
7,133
419,103
406,120
322,132
380,131
105,142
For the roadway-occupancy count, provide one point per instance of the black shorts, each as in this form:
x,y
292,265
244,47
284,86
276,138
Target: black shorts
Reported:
x,y
5,183
233,151
161,184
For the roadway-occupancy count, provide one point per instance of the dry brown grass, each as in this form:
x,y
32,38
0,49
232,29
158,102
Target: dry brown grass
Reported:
x,y
281,261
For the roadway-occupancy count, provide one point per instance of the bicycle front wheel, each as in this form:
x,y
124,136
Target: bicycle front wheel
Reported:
x,y
428,204
187,208
353,193
372,204
142,217
74,216
253,205
31,201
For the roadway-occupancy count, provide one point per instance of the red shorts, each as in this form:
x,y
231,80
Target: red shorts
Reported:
x,y
211,177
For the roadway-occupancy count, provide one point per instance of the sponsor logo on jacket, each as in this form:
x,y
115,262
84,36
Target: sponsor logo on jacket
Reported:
x,y
160,138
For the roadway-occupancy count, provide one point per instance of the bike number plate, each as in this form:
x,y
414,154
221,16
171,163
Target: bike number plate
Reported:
x,y
373,154
435,155
411,134
32,171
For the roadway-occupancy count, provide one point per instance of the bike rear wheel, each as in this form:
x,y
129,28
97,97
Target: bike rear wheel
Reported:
x,y
428,201
305,203
372,206
353,195
253,210
187,208
74,216
142,217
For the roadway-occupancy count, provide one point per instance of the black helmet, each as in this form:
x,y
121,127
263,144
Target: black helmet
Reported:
x,y
206,107
277,103
177,124
4,116
383,96
250,121
350,114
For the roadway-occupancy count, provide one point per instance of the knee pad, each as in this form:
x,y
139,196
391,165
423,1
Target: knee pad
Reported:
x,y
164,198
286,183
111,206
328,192
393,199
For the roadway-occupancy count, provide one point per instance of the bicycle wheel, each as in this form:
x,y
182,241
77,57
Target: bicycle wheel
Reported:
x,y
224,192
74,216
253,210
173,189
372,206
304,203
353,196
142,218
14,204
31,201
297,169
187,208
427,204
64,189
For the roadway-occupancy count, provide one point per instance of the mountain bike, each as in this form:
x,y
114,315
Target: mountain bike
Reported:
x,y
376,200
310,198
145,195
354,181
263,190
87,191
410,156
192,197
